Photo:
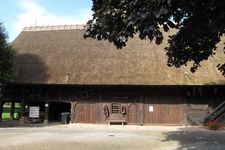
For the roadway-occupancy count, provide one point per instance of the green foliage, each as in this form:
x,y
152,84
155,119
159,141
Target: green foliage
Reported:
x,y
6,112
6,58
200,24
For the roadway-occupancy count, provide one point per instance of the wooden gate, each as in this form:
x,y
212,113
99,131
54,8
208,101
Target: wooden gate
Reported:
x,y
133,114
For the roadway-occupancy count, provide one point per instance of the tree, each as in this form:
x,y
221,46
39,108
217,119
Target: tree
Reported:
x,y
200,25
6,58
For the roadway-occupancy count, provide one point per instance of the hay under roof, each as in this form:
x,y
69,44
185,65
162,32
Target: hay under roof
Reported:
x,y
60,55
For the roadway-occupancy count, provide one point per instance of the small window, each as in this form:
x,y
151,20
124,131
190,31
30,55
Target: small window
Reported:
x,y
115,108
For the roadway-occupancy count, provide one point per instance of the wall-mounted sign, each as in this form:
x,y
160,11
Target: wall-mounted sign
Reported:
x,y
34,111
150,108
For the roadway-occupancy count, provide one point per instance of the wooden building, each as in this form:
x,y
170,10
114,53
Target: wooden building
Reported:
x,y
59,71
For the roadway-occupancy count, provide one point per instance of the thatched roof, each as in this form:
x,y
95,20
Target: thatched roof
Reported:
x,y
60,55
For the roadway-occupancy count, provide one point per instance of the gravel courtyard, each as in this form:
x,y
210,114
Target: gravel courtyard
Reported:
x,y
105,137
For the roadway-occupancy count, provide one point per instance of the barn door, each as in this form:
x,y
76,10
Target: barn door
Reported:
x,y
85,113
172,114
81,113
133,114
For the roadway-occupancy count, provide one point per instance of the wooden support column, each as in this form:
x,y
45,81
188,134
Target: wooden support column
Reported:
x,y
46,119
141,110
185,110
23,106
1,109
72,110
98,112
12,110
1,103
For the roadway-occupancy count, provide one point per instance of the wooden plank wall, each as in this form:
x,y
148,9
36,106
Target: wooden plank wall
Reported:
x,y
171,105
167,106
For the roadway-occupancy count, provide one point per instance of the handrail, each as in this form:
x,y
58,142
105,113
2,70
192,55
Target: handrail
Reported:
x,y
218,107
216,113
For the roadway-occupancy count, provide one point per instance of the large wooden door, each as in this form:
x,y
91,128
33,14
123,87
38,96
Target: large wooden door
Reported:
x,y
85,113
133,114
172,114
164,112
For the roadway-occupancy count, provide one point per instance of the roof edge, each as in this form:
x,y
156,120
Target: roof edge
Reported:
x,y
54,28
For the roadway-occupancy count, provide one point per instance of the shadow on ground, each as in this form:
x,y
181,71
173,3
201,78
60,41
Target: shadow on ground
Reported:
x,y
195,138
18,123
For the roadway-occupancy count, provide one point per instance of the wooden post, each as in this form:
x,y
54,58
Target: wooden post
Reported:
x,y
46,112
23,106
185,110
72,110
12,110
46,117
1,103
1,109
141,111
99,111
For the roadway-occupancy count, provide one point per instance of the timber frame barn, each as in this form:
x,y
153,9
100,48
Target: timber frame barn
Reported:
x,y
59,71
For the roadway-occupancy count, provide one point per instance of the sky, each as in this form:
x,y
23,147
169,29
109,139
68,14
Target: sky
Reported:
x,y
17,14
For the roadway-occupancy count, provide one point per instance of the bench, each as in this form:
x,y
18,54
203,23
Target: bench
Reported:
x,y
117,118
118,121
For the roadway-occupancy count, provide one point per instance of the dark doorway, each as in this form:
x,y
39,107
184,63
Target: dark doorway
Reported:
x,y
56,108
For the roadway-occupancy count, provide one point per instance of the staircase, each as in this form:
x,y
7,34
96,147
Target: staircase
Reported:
x,y
217,114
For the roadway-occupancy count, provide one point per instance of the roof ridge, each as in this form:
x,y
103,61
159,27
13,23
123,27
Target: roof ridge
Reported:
x,y
51,28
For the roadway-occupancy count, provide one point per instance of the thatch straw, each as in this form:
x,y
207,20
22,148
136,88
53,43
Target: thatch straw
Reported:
x,y
64,57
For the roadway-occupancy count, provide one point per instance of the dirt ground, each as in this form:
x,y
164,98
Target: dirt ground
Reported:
x,y
105,137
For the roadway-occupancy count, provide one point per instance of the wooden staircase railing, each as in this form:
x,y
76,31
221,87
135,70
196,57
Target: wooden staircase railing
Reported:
x,y
217,114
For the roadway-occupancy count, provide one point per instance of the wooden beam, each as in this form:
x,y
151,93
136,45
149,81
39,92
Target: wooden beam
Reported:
x,y
12,110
